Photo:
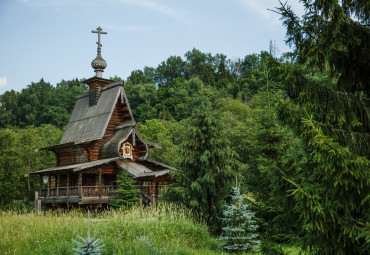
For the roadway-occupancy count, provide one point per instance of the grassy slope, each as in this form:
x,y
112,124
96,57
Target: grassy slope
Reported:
x,y
171,231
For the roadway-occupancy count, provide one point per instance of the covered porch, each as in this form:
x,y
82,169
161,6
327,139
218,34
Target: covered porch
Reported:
x,y
94,183
83,188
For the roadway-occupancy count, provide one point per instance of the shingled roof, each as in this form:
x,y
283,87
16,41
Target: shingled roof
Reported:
x,y
77,167
88,123
142,171
111,147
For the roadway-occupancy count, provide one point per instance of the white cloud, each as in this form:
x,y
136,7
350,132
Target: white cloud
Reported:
x,y
3,81
153,6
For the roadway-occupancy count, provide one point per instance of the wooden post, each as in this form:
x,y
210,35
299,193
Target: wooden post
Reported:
x,y
58,183
156,193
99,180
67,184
39,204
36,202
48,187
80,184
153,194
141,192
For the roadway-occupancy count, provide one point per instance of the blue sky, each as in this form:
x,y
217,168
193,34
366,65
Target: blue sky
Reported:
x,y
52,39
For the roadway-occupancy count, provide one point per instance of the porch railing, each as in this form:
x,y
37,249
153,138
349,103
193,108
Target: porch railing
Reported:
x,y
86,191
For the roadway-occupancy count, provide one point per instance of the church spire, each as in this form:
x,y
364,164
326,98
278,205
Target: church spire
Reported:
x,y
99,63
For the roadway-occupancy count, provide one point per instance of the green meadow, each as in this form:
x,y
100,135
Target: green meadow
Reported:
x,y
166,230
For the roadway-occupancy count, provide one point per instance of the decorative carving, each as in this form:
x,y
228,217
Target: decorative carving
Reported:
x,y
52,181
126,150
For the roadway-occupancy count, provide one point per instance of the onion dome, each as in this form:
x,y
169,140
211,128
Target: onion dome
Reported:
x,y
99,63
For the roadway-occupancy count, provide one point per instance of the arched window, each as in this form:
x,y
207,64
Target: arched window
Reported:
x,y
126,150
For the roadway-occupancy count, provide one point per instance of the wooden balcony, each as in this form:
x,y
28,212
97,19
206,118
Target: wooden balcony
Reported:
x,y
77,195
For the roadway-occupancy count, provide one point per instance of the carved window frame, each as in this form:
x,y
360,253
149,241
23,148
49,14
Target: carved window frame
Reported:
x,y
126,150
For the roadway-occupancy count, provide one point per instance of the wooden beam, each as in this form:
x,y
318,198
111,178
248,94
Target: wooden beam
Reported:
x,y
99,180
80,184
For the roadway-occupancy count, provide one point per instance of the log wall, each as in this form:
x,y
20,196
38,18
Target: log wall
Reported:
x,y
70,155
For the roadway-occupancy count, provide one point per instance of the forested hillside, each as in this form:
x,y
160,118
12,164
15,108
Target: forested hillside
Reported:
x,y
294,130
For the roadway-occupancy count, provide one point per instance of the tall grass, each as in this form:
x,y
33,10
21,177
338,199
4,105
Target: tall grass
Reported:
x,y
136,231
167,230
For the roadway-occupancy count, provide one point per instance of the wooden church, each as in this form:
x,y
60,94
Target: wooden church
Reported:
x,y
101,139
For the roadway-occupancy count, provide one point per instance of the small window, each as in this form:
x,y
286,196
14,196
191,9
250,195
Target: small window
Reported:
x,y
126,150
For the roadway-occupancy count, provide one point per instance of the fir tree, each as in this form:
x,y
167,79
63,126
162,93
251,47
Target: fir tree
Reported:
x,y
239,229
206,163
127,194
277,153
331,88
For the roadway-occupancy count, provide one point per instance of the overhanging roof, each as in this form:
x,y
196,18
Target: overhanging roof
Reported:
x,y
140,171
76,167
155,163
88,123
133,168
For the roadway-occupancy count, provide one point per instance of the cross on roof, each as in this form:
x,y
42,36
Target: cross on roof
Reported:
x,y
99,31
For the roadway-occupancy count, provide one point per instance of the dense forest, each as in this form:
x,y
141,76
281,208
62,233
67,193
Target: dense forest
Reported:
x,y
294,130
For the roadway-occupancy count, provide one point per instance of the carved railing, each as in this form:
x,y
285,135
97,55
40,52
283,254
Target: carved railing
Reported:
x,y
86,191
93,191
60,191
108,191
90,191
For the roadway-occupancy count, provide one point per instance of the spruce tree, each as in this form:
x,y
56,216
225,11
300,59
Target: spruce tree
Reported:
x,y
206,164
238,227
127,194
278,153
329,106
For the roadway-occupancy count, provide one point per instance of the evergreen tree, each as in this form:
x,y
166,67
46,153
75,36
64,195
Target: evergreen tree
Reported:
x,y
206,162
238,226
332,90
277,153
127,194
333,83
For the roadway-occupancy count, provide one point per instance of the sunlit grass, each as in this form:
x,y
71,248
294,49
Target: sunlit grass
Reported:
x,y
170,230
